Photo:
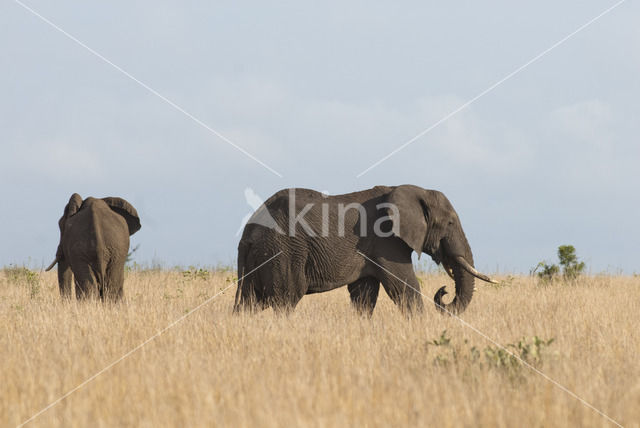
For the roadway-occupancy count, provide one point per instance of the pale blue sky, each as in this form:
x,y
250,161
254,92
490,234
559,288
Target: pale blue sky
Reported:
x,y
319,92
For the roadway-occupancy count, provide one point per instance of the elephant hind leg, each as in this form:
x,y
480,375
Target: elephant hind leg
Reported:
x,y
86,282
65,278
113,287
289,286
364,294
248,298
251,294
286,299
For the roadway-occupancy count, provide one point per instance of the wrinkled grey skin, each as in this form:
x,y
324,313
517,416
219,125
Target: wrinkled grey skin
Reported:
x,y
425,222
94,242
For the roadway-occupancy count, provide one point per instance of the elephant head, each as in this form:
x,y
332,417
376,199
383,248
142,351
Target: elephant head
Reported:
x,y
118,205
426,221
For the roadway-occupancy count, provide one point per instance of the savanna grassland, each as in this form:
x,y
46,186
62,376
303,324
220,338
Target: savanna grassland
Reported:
x,y
323,365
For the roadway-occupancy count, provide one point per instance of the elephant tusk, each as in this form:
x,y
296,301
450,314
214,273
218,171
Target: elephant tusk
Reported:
x,y
53,263
466,266
449,271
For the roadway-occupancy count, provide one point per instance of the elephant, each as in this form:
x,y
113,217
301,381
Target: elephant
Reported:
x,y
302,242
94,243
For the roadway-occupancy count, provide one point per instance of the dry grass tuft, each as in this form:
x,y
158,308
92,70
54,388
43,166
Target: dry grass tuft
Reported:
x,y
322,365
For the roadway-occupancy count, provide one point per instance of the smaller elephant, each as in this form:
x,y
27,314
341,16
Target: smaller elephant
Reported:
x,y
94,243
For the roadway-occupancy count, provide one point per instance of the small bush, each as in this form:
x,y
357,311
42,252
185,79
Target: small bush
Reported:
x,y
22,275
508,359
547,272
194,273
571,267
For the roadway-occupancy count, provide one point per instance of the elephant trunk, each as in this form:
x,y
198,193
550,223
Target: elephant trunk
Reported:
x,y
458,262
464,292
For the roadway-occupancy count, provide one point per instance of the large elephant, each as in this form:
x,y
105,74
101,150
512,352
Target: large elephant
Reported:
x,y
301,242
94,243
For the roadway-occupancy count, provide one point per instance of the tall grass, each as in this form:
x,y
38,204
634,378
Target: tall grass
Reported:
x,y
323,365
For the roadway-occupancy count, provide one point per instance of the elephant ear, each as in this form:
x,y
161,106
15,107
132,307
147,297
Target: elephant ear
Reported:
x,y
74,204
408,214
72,207
126,210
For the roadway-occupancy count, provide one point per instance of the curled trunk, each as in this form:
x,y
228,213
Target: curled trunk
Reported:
x,y
465,285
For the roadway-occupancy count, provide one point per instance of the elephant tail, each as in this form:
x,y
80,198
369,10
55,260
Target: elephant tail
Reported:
x,y
243,255
239,290
53,263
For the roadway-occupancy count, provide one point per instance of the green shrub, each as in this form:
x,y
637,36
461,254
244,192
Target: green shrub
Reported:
x,y
195,273
22,275
547,272
571,267
507,359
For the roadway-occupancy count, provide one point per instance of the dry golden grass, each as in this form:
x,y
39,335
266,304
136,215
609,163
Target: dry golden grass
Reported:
x,y
321,366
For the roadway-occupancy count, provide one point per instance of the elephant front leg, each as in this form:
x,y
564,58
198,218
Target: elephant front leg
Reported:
x,y
403,288
65,277
364,294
